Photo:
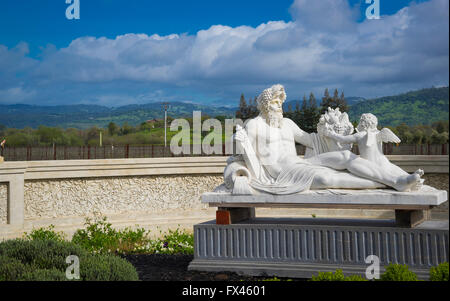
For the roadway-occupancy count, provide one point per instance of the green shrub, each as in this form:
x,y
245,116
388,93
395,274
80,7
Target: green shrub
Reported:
x,y
43,254
398,272
46,260
45,234
10,268
439,273
100,237
175,242
107,268
337,276
355,278
43,275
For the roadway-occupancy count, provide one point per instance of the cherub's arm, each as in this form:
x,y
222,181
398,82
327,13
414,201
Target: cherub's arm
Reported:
x,y
344,139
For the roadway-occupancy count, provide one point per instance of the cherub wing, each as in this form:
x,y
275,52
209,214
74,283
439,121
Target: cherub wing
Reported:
x,y
386,135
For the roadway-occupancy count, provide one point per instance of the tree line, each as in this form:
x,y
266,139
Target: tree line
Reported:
x,y
150,132
113,134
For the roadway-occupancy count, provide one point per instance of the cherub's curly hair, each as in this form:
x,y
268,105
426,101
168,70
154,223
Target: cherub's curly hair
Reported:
x,y
368,121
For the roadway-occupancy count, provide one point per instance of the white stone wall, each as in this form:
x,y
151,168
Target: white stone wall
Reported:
x,y
3,202
87,196
59,198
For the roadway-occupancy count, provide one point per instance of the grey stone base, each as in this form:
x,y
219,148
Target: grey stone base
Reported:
x,y
301,248
283,269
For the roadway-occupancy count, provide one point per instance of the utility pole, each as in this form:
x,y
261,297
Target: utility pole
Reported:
x,y
165,106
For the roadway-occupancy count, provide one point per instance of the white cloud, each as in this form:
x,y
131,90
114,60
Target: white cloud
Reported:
x,y
15,95
330,15
323,46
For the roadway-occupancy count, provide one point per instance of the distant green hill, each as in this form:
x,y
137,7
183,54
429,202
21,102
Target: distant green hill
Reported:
x,y
85,116
416,107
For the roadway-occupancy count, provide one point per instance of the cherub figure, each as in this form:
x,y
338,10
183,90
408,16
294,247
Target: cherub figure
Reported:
x,y
370,141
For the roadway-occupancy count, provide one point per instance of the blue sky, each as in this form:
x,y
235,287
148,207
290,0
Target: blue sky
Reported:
x,y
40,22
123,52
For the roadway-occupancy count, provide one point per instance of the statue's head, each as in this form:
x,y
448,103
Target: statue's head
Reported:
x,y
367,122
270,103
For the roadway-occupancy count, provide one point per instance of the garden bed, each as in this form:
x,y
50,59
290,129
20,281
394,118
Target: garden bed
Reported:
x,y
127,254
163,267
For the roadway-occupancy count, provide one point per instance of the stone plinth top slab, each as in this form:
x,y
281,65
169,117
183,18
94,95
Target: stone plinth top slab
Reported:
x,y
427,196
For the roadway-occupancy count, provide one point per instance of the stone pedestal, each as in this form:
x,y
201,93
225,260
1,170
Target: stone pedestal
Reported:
x,y
302,247
411,218
227,216
411,208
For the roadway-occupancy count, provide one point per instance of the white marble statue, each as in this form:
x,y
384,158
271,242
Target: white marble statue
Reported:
x,y
269,161
332,121
370,142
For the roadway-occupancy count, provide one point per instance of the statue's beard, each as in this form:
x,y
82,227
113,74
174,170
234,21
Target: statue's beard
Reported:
x,y
274,118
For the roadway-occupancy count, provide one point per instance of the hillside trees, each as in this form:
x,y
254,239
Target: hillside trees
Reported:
x,y
245,110
333,102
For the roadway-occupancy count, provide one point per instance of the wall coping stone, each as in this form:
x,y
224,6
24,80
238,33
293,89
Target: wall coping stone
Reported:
x,y
57,169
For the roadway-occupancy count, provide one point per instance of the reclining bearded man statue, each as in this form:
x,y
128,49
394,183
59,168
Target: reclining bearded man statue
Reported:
x,y
269,162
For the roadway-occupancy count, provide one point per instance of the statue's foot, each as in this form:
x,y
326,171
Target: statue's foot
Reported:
x,y
410,182
418,185
420,172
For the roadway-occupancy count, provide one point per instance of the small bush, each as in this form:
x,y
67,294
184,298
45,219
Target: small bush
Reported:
x,y
43,275
174,242
337,276
43,254
48,233
100,237
398,272
46,260
439,273
107,268
10,268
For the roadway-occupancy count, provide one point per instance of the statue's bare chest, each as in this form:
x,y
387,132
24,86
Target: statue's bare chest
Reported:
x,y
272,135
